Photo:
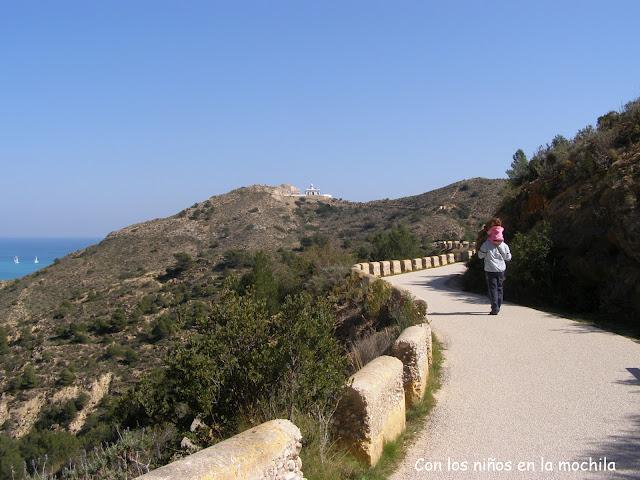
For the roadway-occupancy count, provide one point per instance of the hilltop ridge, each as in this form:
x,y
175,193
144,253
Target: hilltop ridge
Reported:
x,y
91,312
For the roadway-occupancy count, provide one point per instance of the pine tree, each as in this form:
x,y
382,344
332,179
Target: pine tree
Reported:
x,y
519,168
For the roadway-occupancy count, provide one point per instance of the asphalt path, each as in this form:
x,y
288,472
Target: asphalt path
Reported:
x,y
526,394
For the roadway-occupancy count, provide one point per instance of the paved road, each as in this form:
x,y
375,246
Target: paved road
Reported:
x,y
523,385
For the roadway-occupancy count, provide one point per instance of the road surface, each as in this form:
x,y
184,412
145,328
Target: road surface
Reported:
x,y
523,386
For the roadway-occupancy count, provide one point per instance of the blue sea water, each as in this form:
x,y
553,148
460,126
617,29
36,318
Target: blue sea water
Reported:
x,y
27,249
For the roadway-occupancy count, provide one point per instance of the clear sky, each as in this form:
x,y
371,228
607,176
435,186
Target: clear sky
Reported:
x,y
114,112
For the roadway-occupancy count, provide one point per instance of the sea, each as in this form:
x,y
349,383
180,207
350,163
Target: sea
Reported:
x,y
27,249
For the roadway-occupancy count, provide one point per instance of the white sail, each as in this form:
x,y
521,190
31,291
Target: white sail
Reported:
x,y
36,260
16,260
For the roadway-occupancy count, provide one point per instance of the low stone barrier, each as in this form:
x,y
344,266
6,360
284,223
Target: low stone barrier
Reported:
x,y
413,348
396,267
270,451
374,268
393,267
372,410
385,268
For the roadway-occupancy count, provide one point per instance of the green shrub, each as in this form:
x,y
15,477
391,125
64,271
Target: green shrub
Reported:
x,y
241,354
29,379
48,450
163,328
183,263
26,339
4,343
376,298
11,460
67,377
397,243
261,281
61,413
63,310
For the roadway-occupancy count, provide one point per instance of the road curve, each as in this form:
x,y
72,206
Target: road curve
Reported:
x,y
520,386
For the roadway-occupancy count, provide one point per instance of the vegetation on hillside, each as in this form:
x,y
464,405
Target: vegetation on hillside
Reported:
x,y
573,223
109,312
276,339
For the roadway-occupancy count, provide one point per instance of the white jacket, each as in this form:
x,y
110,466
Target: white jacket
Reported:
x,y
495,256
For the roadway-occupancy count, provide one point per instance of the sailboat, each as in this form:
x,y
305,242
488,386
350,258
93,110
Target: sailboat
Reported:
x,y
36,260
16,260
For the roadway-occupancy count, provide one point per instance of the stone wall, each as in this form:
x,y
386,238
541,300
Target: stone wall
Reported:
x,y
270,451
463,251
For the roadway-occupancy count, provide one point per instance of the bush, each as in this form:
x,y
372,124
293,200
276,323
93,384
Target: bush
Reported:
x,y
116,323
531,272
29,378
67,377
241,354
183,263
4,343
48,450
261,282
63,310
398,243
163,328
11,460
61,413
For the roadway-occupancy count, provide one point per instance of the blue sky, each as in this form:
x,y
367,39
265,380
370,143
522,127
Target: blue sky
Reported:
x,y
115,112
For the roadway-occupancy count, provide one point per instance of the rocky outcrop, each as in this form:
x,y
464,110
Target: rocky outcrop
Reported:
x,y
98,390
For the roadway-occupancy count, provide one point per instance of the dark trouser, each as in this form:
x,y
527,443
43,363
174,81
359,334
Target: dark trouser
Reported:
x,y
494,286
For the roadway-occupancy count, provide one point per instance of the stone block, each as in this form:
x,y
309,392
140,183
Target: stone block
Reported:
x,y
435,261
269,451
406,265
412,349
374,268
416,264
451,258
385,268
443,259
426,262
372,410
396,267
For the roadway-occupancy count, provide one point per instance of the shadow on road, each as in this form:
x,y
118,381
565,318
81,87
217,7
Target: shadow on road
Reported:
x,y
623,449
458,313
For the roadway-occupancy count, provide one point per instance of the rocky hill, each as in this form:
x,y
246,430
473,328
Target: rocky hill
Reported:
x,y
572,215
87,323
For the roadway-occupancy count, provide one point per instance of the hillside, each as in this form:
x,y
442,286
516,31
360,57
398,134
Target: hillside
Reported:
x,y
89,322
572,215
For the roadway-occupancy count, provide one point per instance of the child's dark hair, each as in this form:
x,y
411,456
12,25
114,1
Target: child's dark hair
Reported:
x,y
496,222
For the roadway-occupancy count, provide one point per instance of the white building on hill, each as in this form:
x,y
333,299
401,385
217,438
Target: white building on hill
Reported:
x,y
312,191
